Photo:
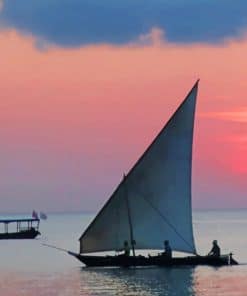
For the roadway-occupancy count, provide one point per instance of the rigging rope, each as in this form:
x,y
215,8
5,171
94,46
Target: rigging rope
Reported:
x,y
167,221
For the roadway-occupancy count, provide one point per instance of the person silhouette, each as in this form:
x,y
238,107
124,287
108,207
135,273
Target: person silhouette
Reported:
x,y
167,249
215,251
126,248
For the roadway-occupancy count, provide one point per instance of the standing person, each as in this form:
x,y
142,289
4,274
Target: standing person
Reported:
x,y
215,251
167,250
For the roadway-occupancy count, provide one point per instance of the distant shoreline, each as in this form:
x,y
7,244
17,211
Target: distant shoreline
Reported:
x,y
95,212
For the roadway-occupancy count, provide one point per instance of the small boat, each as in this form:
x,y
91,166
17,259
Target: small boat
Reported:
x,y
43,216
152,204
25,228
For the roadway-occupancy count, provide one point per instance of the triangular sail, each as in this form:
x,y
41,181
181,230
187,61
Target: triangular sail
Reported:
x,y
158,191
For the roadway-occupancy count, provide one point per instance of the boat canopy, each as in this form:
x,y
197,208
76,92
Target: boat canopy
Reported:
x,y
18,220
153,201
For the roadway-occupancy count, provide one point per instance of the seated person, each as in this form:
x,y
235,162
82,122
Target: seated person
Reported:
x,y
215,251
167,250
126,248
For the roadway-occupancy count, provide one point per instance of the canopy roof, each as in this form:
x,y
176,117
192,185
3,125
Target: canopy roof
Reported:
x,y
18,220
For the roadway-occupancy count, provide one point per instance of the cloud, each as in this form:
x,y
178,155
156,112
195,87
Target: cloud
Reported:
x,y
81,22
235,116
71,23
153,38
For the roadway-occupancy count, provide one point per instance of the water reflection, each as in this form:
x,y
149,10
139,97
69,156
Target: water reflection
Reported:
x,y
138,281
40,284
200,281
27,268
227,281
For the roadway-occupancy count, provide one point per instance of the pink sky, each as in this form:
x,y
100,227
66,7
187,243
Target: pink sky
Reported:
x,y
72,121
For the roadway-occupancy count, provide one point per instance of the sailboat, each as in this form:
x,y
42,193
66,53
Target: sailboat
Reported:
x,y
152,204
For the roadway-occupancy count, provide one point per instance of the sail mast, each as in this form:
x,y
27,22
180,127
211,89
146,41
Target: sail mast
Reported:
x,y
132,241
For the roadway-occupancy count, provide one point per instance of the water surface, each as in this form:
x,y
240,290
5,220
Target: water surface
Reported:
x,y
29,268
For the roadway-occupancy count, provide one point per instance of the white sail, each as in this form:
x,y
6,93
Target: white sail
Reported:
x,y
154,200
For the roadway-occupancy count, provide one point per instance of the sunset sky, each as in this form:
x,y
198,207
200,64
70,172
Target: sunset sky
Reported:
x,y
86,85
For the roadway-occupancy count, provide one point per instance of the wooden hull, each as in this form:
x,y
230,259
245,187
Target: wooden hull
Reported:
x,y
27,234
123,261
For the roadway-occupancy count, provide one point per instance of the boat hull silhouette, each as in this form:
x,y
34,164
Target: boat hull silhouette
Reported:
x,y
26,234
129,261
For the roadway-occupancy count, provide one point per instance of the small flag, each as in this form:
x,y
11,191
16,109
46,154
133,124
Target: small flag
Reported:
x,y
43,216
35,215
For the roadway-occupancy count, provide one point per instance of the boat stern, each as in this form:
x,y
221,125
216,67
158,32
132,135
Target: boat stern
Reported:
x,y
231,260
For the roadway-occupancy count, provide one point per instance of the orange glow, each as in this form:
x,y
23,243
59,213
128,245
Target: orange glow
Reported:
x,y
104,104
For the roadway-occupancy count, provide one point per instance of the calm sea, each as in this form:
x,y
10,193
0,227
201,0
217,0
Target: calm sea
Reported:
x,y
28,268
